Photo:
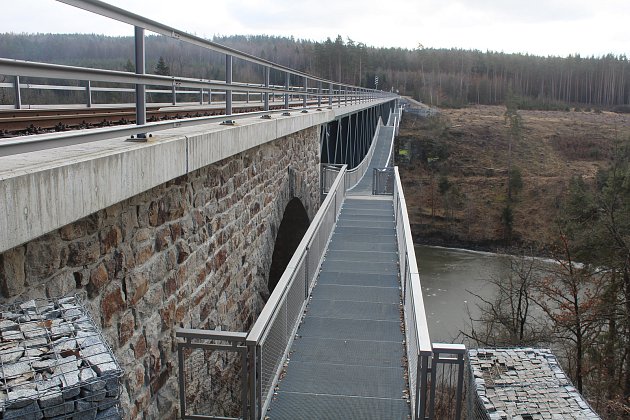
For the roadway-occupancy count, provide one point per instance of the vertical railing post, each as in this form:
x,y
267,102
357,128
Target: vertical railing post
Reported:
x,y
252,370
182,384
339,97
266,96
422,383
434,364
18,94
247,97
141,97
88,94
330,95
228,82
304,99
460,387
287,84
173,94
201,96
209,96
319,94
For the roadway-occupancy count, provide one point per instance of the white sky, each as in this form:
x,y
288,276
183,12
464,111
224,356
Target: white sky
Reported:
x,y
540,27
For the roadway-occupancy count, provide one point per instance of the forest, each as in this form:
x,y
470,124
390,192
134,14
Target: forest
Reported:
x,y
440,77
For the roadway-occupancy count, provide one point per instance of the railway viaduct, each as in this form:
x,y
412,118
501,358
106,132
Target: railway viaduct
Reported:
x,y
175,232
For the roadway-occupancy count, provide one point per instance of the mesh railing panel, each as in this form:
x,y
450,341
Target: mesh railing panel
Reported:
x,y
411,337
353,176
314,255
273,347
212,384
383,181
295,298
329,174
275,333
446,383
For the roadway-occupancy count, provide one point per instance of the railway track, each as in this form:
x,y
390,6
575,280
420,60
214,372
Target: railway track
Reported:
x,y
20,122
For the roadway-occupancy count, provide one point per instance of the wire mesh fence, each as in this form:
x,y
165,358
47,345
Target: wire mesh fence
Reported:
x,y
213,374
383,181
54,362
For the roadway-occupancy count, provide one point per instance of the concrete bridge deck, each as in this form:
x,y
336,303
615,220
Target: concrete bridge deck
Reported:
x,y
347,359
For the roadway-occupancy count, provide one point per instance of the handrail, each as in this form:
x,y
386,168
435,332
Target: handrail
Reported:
x,y
282,313
335,92
121,15
424,341
418,342
355,174
271,305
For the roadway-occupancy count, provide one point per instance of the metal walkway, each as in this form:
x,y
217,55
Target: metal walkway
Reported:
x,y
346,361
380,159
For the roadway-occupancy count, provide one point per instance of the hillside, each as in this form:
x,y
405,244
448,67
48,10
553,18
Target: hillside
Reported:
x,y
454,171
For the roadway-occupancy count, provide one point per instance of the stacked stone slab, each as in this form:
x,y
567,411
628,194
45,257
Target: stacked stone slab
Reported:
x,y
54,363
522,384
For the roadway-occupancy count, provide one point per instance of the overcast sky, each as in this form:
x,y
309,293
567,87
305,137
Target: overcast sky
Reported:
x,y
541,27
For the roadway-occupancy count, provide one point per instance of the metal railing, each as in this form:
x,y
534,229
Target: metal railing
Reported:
x,y
423,358
222,394
309,88
383,181
329,171
353,176
258,356
274,330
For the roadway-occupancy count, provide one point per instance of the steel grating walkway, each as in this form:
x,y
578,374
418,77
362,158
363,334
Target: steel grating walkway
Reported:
x,y
347,359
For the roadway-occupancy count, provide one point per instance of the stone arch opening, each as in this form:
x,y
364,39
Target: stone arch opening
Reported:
x,y
292,228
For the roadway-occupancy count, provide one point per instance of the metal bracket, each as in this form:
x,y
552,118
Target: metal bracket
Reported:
x,y
286,114
228,122
265,117
141,138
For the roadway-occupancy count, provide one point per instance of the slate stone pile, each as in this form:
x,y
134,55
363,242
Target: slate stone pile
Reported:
x,y
522,384
55,364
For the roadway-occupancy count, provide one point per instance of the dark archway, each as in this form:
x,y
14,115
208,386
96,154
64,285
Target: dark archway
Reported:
x,y
292,228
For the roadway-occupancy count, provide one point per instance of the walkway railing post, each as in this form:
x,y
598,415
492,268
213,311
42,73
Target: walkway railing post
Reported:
x,y
319,94
228,82
88,94
201,96
18,94
173,94
330,95
304,98
287,84
266,96
141,96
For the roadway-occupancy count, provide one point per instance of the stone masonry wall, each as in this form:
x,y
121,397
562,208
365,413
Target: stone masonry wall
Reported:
x,y
194,252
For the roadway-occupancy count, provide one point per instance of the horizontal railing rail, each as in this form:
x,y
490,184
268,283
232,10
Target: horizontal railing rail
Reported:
x,y
419,348
308,89
274,330
261,353
356,174
423,357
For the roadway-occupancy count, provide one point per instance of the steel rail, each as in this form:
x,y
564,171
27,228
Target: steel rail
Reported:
x,y
16,145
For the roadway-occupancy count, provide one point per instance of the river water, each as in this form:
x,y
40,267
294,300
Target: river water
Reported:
x,y
446,275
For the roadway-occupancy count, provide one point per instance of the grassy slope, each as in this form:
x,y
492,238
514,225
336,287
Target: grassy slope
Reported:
x,y
555,146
